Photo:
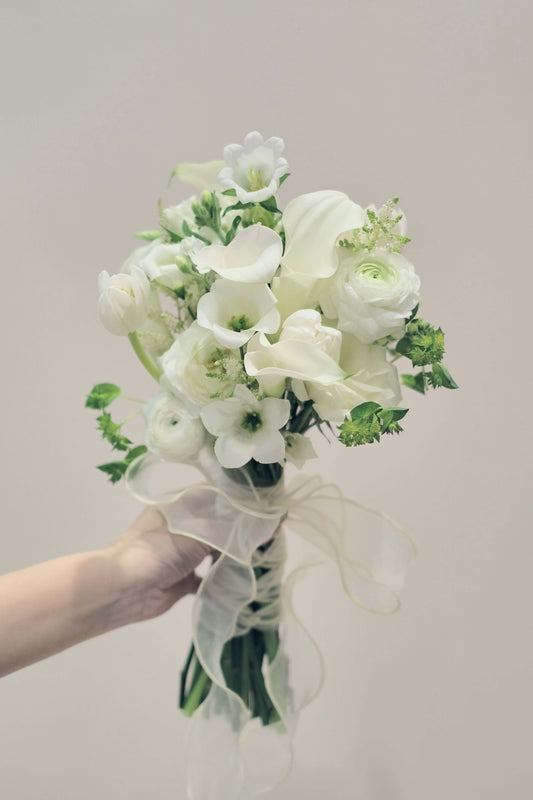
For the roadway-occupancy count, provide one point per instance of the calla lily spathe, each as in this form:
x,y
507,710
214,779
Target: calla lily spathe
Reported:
x,y
252,257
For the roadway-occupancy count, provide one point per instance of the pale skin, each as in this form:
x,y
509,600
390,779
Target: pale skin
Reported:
x,y
49,607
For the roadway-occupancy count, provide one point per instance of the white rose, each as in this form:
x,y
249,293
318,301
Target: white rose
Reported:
x,y
194,354
171,432
313,222
123,303
370,378
371,294
306,350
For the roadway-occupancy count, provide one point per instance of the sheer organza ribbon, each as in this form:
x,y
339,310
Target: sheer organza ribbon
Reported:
x,y
230,756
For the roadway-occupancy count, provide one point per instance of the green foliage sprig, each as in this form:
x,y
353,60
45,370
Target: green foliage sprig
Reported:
x,y
378,231
100,397
423,345
368,421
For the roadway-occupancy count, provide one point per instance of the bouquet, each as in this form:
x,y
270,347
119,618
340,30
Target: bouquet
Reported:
x,y
259,325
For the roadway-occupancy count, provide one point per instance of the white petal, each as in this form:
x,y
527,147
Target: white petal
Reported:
x,y
219,416
234,451
202,176
252,257
275,412
268,447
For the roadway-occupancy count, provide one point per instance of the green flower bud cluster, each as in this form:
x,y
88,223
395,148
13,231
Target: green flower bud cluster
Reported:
x,y
424,346
368,421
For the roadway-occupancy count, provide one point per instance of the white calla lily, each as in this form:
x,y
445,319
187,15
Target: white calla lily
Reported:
x,y
247,428
235,311
124,300
252,257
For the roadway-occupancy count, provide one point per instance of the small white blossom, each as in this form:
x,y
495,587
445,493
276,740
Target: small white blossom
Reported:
x,y
124,300
254,168
299,449
171,431
247,428
252,257
161,261
234,311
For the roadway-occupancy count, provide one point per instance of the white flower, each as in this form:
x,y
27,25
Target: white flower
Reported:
x,y
306,350
201,176
313,222
372,293
160,261
234,311
247,428
171,432
123,303
192,361
299,449
252,257
370,378
254,168
178,218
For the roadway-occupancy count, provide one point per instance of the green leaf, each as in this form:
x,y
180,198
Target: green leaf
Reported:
x,y
111,432
364,410
238,207
115,470
270,205
284,178
389,419
174,237
230,193
135,452
230,235
416,382
148,236
102,395
440,376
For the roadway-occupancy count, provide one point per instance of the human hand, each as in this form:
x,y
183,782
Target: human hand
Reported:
x,y
156,567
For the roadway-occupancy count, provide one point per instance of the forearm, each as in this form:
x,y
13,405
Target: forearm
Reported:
x,y
51,606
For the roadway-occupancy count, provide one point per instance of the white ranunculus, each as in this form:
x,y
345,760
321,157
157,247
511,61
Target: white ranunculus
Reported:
x,y
252,257
313,222
189,365
254,168
298,449
306,350
201,176
160,261
247,428
123,303
370,378
234,311
171,432
371,294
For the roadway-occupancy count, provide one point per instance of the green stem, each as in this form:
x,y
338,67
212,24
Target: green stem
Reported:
x,y
245,670
195,695
147,363
184,674
271,640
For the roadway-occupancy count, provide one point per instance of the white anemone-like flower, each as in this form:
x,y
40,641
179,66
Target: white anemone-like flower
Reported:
x,y
254,168
196,368
371,294
247,428
235,311
298,449
160,261
171,431
306,350
252,257
124,300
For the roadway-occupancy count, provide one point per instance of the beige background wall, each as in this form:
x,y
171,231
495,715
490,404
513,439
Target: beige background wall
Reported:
x,y
431,101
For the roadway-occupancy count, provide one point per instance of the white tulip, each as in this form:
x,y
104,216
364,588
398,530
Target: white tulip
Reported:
x,y
254,168
371,294
171,432
247,428
124,300
252,257
235,311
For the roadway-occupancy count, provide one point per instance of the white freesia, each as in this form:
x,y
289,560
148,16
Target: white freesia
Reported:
x,y
161,261
171,431
371,294
313,222
154,333
234,311
247,428
307,350
254,168
252,257
201,176
123,303
370,378
298,449
189,366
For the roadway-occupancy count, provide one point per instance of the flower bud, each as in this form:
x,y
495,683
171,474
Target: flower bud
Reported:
x,y
123,303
